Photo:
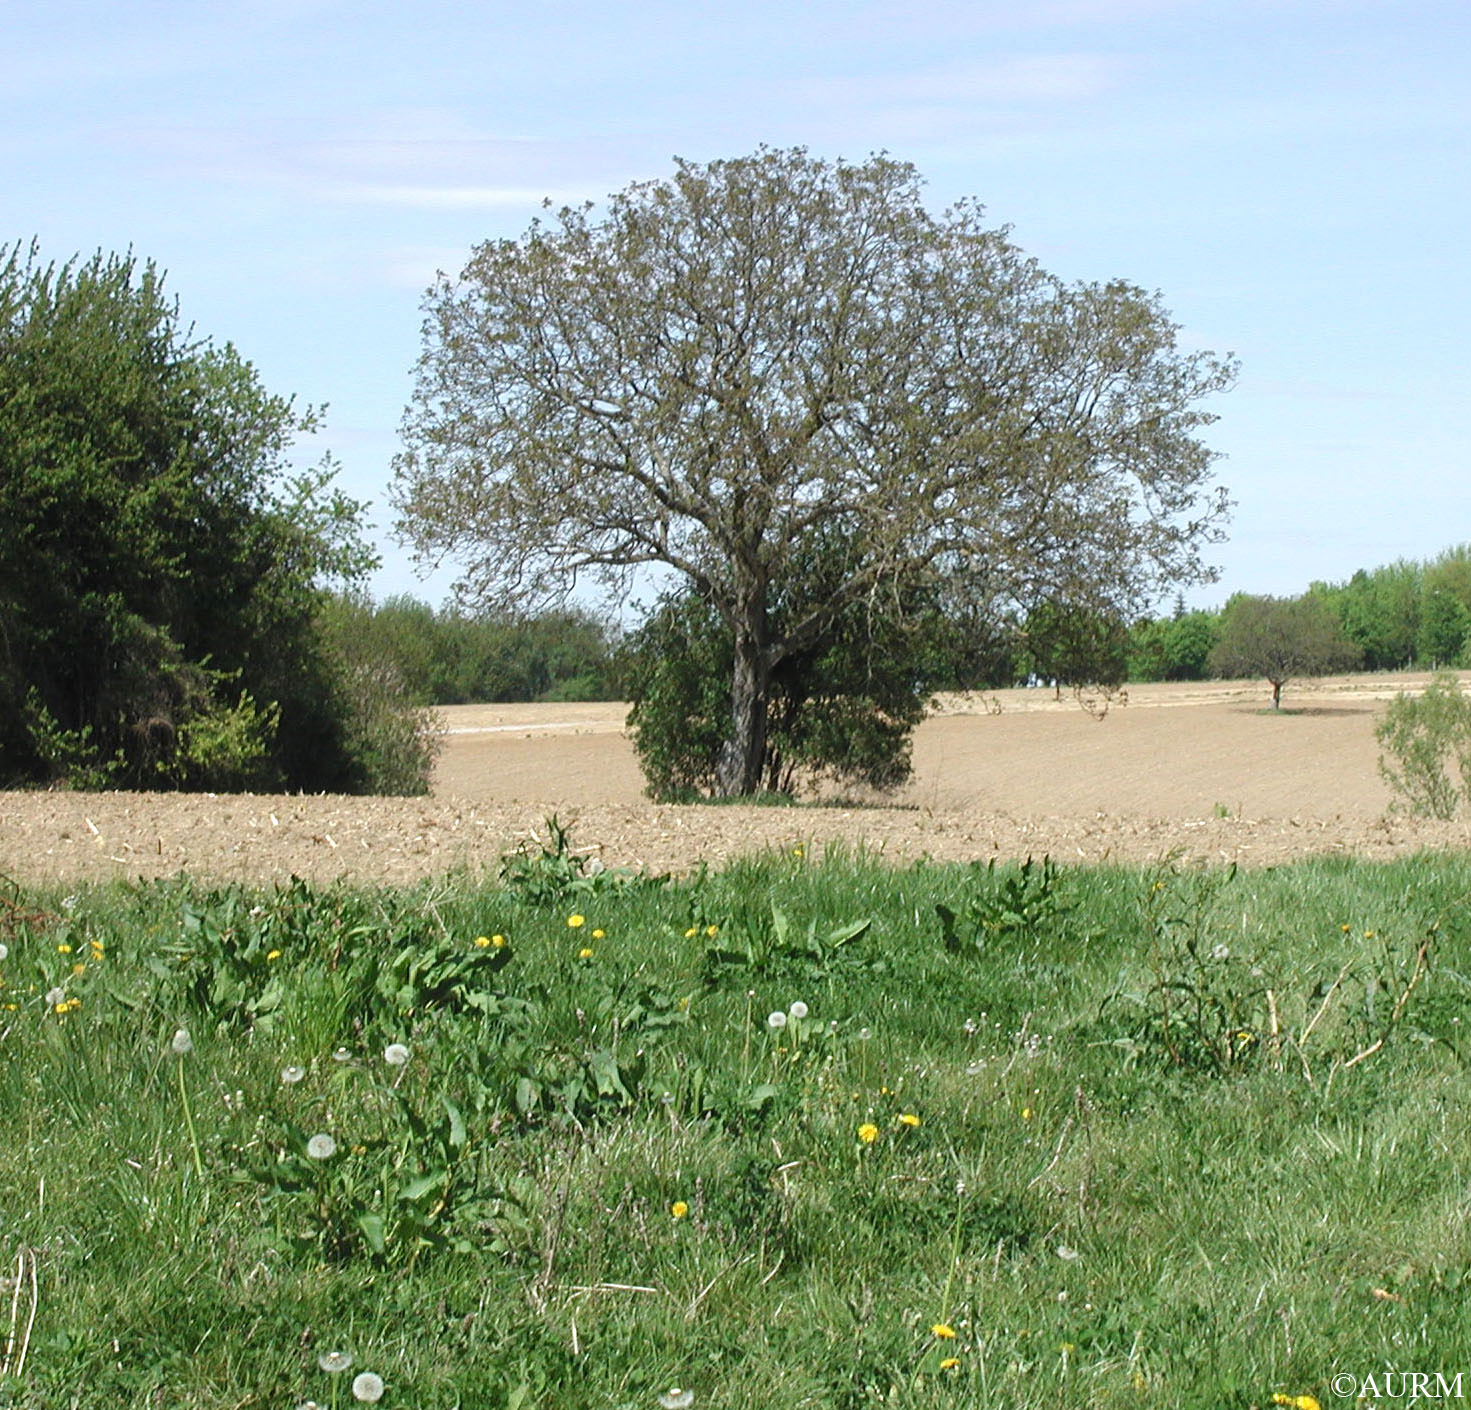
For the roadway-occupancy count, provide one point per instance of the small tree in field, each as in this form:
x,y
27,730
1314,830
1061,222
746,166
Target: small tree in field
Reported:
x,y
761,356
1282,639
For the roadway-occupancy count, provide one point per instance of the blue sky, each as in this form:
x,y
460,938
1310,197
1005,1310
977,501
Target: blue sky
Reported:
x,y
1294,177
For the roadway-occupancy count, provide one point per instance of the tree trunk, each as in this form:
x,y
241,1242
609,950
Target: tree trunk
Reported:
x,y
1277,695
743,754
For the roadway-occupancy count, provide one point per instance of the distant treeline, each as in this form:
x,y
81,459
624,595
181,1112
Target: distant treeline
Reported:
x,y
450,657
1403,615
1406,614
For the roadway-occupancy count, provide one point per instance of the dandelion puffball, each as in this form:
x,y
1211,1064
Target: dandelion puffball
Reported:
x,y
366,1386
4,952
55,996
334,1361
322,1147
182,1043
395,1055
676,1399
798,1010
776,1020
342,1055
292,1074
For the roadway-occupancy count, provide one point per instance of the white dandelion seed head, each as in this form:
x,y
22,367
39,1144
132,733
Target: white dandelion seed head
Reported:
x,y
367,1386
865,1034
971,1025
798,1010
55,996
4,952
676,1399
1065,1253
396,1054
333,1362
322,1147
1221,952
182,1043
776,1020
292,1074
342,1055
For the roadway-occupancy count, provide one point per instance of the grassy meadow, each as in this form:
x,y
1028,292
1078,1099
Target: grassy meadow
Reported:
x,y
805,1132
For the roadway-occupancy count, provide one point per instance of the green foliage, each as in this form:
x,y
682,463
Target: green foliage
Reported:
x,y
1428,737
162,566
841,712
771,359
1074,645
765,1213
766,944
1282,639
552,872
1010,909
452,657
1175,648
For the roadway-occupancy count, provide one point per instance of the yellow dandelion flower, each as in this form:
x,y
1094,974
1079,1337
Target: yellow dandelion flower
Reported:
x,y
868,1133
274,955
1300,1402
679,1209
796,852
497,942
1368,935
584,953
63,1007
79,969
576,922
1345,928
691,933
63,949
908,1118
950,1363
599,934
73,1003
944,1331
712,931
482,942
1026,1113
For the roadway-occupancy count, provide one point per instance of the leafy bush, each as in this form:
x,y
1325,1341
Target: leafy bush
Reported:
x,y
1429,738
842,710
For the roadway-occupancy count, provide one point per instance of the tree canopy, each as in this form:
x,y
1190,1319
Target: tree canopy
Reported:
x,y
161,564
1281,639
723,367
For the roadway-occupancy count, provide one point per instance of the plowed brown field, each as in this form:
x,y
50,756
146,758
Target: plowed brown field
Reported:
x,y
1203,768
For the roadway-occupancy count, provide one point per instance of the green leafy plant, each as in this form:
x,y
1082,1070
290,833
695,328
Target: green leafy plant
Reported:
x,y
1428,736
1015,906
551,872
769,943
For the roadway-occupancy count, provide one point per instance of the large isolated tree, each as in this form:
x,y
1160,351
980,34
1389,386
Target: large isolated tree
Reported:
x,y
719,367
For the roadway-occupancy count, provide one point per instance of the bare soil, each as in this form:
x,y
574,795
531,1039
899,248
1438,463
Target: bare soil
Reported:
x,y
1205,768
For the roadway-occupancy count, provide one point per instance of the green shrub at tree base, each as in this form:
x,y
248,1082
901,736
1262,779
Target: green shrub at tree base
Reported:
x,y
841,712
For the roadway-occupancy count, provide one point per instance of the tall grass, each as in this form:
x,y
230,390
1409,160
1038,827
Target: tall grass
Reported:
x,y
1138,1137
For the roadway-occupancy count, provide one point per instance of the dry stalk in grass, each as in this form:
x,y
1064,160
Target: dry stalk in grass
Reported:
x,y
17,1344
